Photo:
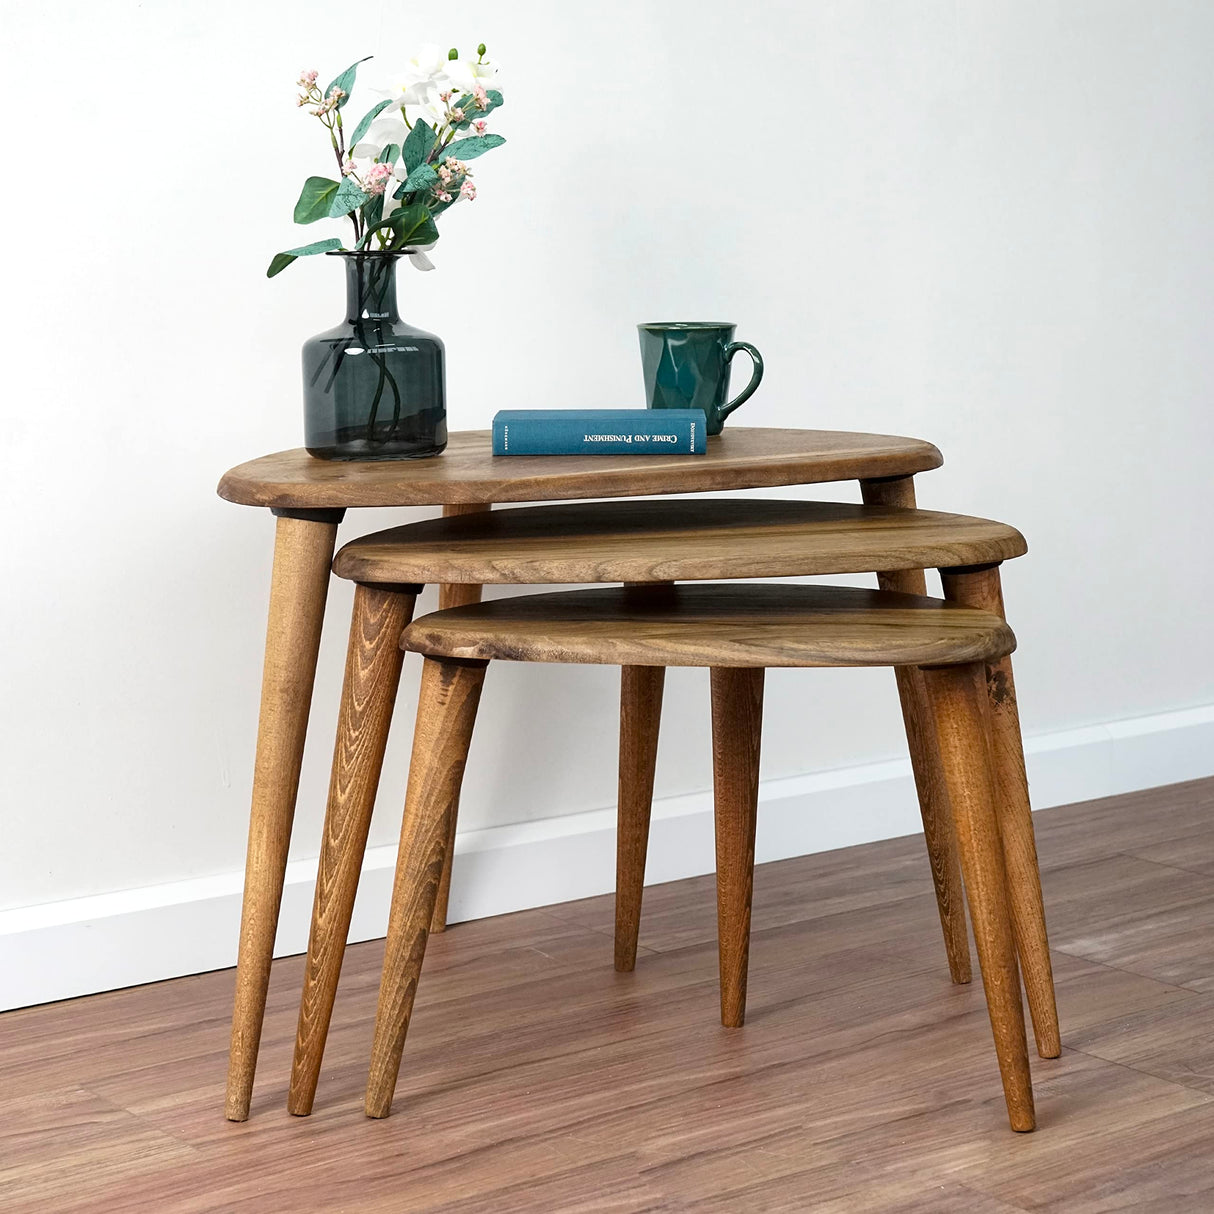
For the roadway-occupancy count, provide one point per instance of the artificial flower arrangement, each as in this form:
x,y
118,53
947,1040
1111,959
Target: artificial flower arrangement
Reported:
x,y
405,161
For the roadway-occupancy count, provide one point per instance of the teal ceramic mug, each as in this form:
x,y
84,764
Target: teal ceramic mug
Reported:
x,y
686,366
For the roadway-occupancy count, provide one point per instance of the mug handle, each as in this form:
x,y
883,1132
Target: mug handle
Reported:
x,y
755,376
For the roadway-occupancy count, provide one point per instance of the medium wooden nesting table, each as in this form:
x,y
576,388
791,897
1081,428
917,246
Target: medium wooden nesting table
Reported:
x,y
309,498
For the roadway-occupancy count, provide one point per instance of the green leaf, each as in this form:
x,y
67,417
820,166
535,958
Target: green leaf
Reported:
x,y
417,146
315,199
471,148
364,123
467,103
390,154
421,178
345,82
349,197
412,225
282,260
373,211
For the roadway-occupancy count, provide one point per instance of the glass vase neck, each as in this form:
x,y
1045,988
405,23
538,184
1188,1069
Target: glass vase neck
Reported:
x,y
371,286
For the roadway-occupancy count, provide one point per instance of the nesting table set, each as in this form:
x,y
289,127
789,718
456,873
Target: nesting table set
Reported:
x,y
673,594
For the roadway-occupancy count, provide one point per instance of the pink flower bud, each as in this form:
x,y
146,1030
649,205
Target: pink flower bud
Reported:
x,y
376,179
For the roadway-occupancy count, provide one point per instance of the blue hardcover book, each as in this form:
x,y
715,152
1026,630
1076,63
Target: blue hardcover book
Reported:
x,y
599,432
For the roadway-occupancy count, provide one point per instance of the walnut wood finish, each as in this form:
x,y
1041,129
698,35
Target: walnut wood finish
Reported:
x,y
958,699
373,666
460,594
737,730
453,594
446,712
750,627
685,540
317,492
981,589
925,754
299,583
640,717
741,458
715,625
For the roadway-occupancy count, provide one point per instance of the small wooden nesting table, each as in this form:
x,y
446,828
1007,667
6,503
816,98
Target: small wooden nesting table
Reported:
x,y
309,498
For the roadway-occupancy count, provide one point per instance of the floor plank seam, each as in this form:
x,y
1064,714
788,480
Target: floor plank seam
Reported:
x,y
1207,1097
1177,868
862,1082
1121,969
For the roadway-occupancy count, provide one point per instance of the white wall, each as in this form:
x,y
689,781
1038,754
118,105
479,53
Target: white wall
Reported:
x,y
987,224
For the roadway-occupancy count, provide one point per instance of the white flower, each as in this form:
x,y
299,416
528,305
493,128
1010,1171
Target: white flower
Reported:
x,y
383,131
417,255
466,75
429,63
424,76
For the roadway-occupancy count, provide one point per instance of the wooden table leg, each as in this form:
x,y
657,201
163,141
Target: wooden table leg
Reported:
x,y
980,587
453,594
737,729
303,550
640,718
957,699
446,713
925,755
373,665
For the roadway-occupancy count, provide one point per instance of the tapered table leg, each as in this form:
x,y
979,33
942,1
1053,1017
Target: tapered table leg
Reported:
x,y
446,712
981,588
640,716
373,665
453,594
303,550
925,755
737,728
957,698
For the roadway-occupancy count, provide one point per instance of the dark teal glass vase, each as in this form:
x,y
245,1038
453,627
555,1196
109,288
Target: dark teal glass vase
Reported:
x,y
374,387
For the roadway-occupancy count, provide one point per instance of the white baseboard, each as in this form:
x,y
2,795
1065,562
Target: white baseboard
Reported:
x,y
84,945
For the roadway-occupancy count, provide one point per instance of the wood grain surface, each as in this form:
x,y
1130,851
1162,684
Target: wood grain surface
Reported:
x,y
538,1078
373,666
446,712
957,695
685,540
982,589
299,586
734,624
640,718
741,458
459,594
925,753
737,733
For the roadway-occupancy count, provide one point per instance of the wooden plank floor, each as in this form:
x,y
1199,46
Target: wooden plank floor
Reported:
x,y
536,1078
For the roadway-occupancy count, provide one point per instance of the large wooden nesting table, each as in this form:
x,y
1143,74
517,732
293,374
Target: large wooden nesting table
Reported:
x,y
309,498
